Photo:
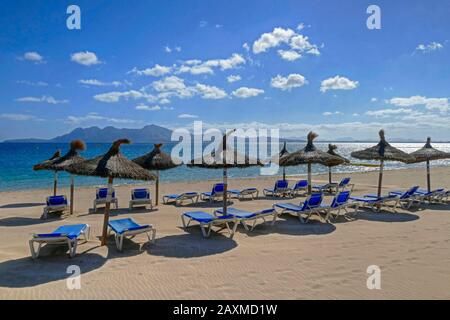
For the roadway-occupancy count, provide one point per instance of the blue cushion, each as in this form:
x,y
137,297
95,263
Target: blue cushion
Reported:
x,y
140,194
199,216
290,206
70,231
56,200
121,225
242,214
102,193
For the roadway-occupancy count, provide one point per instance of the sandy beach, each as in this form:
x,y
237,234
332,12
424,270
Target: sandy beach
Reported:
x,y
286,261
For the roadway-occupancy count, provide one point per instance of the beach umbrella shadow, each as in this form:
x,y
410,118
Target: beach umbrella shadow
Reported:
x,y
290,225
26,272
191,245
22,205
386,216
25,221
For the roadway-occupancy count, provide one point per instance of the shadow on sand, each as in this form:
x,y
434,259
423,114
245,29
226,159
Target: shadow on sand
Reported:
x,y
21,205
25,221
26,272
385,216
191,245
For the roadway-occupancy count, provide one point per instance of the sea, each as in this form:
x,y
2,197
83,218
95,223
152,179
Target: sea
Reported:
x,y
17,160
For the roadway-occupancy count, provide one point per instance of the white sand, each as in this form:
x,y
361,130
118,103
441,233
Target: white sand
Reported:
x,y
287,261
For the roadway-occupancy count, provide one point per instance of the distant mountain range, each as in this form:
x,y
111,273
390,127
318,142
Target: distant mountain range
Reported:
x,y
148,134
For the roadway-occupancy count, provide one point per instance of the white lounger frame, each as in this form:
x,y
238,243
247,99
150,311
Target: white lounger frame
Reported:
x,y
308,213
72,243
246,192
131,234
376,206
279,192
259,215
207,226
181,198
55,208
140,202
335,211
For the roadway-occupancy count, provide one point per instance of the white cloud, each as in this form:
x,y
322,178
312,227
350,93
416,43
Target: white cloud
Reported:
x,y
203,23
440,104
298,44
384,113
210,92
115,96
98,83
373,100
300,26
195,66
244,92
233,78
246,47
328,113
85,58
92,117
148,108
433,46
156,71
43,99
187,116
173,86
33,56
33,83
338,83
293,80
272,39
289,55
19,117
167,49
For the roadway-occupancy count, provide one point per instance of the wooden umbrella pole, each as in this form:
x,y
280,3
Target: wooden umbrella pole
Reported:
x,y
71,193
157,187
380,178
284,174
329,175
225,190
309,178
428,176
55,183
107,209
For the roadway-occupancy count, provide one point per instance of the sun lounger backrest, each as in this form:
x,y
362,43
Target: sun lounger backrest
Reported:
x,y
301,184
313,201
344,182
217,188
409,192
340,199
281,184
102,192
56,200
140,194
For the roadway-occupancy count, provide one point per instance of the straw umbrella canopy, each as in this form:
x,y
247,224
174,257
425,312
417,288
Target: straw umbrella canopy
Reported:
x,y
383,151
426,154
331,150
111,165
36,167
156,160
283,153
225,159
61,163
309,155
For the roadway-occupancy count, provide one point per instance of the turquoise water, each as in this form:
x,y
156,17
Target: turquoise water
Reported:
x,y
17,159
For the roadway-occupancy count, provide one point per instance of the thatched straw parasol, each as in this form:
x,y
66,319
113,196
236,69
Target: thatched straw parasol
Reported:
x,y
223,160
426,154
283,153
156,160
331,150
61,163
383,151
36,167
112,164
309,155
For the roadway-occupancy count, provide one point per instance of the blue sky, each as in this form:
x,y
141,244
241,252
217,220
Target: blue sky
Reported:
x,y
293,65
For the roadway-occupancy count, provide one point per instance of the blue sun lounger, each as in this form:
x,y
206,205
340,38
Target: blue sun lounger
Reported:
x,y
376,203
343,185
101,195
240,194
140,197
406,198
300,186
280,189
207,221
178,198
68,234
307,207
123,228
432,196
216,193
243,216
55,204
339,202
